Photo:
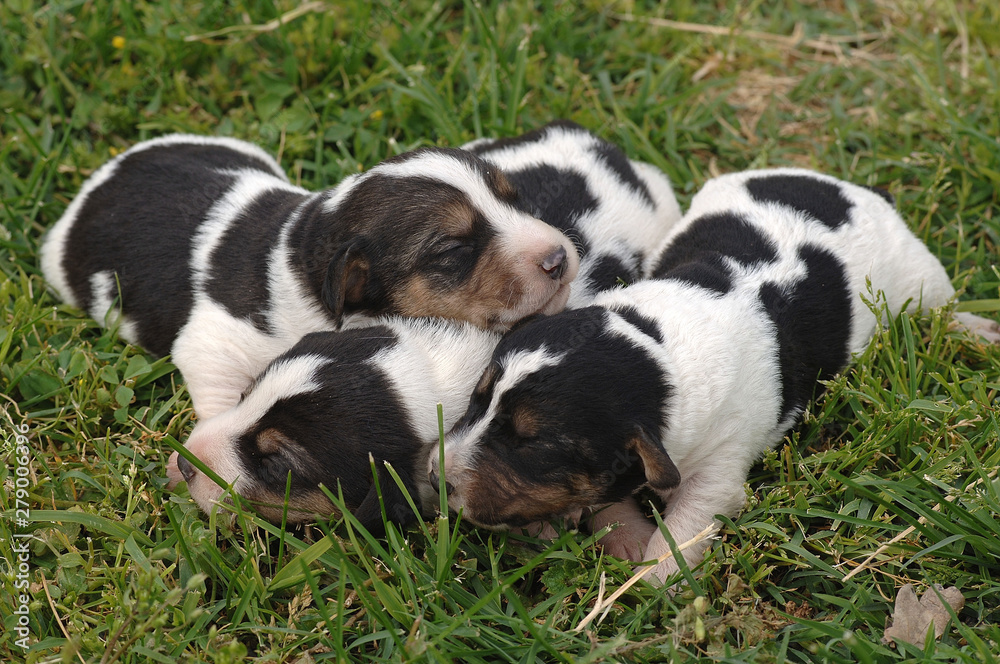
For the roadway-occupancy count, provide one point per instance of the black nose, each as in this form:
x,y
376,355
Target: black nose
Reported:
x,y
555,264
435,478
187,470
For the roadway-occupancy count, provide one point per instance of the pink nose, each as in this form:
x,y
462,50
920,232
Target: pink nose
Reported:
x,y
554,264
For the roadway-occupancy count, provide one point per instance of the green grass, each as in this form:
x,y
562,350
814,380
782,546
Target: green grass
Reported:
x,y
900,94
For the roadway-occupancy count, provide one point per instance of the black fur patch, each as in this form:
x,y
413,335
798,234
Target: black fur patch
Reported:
x,y
697,256
644,324
813,323
239,265
558,197
143,233
566,331
584,410
711,273
493,177
609,271
394,222
820,200
619,164
353,413
608,153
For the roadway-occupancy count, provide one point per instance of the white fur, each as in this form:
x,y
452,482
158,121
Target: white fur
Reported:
x,y
525,240
623,223
433,362
53,248
459,456
720,352
213,440
217,353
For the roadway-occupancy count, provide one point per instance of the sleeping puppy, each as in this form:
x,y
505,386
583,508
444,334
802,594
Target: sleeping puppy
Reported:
x,y
201,248
616,211
318,411
682,381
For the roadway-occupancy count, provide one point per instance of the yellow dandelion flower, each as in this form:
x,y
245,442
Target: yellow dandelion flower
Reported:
x,y
118,42
377,115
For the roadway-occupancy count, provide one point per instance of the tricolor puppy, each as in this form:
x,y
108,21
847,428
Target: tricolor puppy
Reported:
x,y
318,411
680,382
616,211
200,247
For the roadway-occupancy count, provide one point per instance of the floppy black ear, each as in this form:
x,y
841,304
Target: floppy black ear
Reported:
x,y
661,473
346,279
397,510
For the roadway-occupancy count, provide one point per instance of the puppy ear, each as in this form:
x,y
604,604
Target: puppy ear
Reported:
x,y
661,473
397,510
346,279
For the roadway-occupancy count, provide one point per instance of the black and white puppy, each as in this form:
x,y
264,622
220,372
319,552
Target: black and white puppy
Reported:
x,y
200,247
319,409
620,203
617,211
682,381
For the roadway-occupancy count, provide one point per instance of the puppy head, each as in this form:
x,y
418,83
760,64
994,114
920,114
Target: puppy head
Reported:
x,y
314,415
566,416
437,232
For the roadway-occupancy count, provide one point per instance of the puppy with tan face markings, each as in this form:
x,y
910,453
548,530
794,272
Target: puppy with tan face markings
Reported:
x,y
617,211
201,248
317,411
320,409
682,381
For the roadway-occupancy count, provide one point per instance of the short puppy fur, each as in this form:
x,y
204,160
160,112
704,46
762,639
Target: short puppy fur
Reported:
x,y
319,409
621,212
616,211
680,382
200,247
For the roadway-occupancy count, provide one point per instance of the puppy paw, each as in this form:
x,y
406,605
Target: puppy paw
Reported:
x,y
661,572
623,543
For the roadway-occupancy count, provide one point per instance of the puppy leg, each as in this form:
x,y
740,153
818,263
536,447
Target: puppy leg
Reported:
x,y
693,506
633,529
988,330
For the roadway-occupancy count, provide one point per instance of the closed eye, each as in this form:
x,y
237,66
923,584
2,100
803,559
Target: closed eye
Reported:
x,y
504,427
452,249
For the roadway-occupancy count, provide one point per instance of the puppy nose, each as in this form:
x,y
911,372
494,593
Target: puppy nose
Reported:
x,y
555,263
435,479
187,470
